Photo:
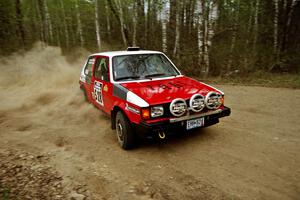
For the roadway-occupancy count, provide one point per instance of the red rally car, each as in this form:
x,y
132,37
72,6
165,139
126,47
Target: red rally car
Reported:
x,y
145,94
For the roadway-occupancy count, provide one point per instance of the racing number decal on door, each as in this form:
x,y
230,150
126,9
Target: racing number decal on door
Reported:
x,y
98,92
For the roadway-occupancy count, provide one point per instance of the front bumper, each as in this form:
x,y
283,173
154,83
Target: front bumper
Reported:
x,y
175,124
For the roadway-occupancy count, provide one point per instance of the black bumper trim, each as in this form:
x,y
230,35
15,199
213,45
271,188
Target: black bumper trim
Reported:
x,y
168,126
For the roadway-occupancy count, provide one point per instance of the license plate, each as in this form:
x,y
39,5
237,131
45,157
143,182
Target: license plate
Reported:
x,y
194,123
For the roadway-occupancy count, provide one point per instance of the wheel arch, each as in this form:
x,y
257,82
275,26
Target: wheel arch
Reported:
x,y
113,115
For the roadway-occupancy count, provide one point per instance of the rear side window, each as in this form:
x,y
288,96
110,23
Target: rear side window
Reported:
x,y
89,66
88,70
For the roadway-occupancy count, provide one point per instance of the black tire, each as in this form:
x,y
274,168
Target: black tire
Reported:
x,y
125,134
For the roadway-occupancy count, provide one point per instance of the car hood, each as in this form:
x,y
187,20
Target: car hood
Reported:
x,y
164,91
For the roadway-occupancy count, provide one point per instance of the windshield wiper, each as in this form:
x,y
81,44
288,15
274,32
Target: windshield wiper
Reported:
x,y
127,77
154,75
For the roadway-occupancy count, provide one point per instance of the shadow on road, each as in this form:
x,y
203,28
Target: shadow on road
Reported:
x,y
179,140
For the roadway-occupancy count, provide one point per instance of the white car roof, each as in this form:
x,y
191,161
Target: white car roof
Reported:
x,y
121,53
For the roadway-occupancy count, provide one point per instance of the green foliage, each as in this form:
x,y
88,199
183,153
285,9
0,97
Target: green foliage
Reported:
x,y
8,38
239,41
4,193
260,78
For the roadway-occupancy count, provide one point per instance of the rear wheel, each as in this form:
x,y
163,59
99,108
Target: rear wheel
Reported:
x,y
84,93
125,133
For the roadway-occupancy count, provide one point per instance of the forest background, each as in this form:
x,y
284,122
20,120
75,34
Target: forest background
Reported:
x,y
244,41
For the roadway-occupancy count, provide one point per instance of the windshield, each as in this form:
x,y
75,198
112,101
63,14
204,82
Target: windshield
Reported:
x,y
142,66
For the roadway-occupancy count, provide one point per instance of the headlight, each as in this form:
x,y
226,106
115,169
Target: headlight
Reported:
x,y
213,100
197,103
157,111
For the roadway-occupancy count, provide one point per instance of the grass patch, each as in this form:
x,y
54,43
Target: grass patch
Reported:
x,y
260,79
4,193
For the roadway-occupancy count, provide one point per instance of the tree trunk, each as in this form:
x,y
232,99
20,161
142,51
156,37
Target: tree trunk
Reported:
x,y
19,19
48,22
233,37
205,56
200,35
287,26
147,23
164,35
212,18
163,18
134,21
284,4
107,20
65,24
123,29
37,20
58,40
245,64
44,35
190,21
249,25
275,33
177,29
97,26
79,26
120,19
141,22
255,27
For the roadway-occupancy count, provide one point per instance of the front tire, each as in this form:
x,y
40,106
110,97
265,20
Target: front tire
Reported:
x,y
125,133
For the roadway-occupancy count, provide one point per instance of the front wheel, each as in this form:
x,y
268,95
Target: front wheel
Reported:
x,y
125,133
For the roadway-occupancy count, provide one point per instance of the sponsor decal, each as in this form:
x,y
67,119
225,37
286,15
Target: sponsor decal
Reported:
x,y
177,84
168,85
149,86
132,109
97,94
164,86
105,88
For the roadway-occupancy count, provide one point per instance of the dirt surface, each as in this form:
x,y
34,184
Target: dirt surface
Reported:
x,y
26,176
253,154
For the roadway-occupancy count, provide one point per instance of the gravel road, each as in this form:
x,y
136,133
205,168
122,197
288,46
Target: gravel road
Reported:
x,y
253,154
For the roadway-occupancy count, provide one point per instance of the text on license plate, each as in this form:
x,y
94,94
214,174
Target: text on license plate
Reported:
x,y
194,123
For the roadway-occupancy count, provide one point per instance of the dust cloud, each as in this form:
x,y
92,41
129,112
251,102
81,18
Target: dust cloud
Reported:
x,y
43,110
39,88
